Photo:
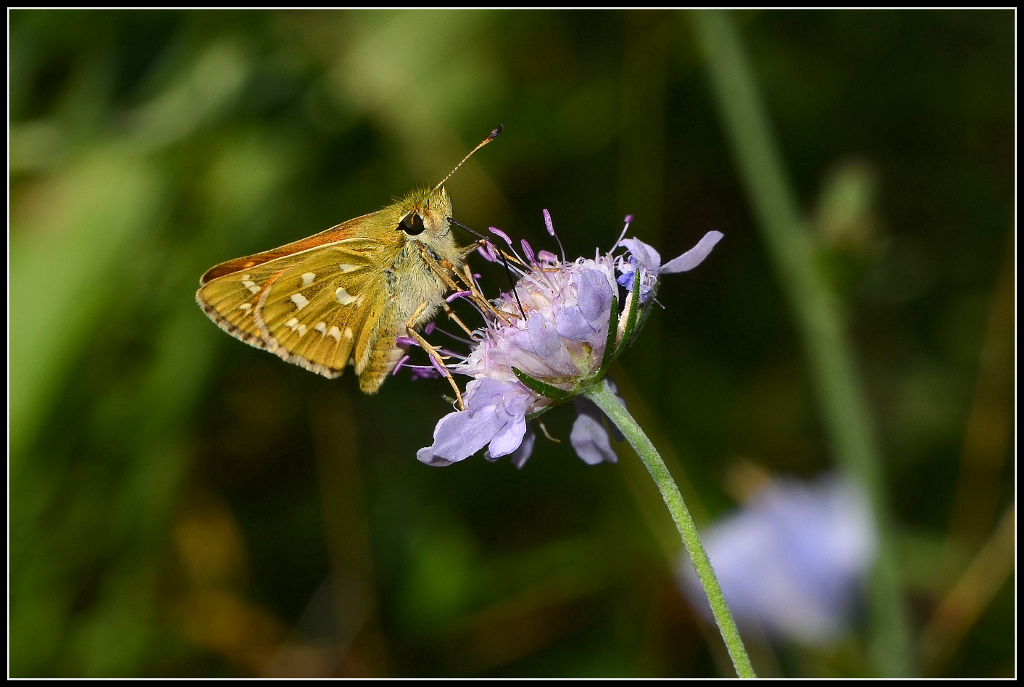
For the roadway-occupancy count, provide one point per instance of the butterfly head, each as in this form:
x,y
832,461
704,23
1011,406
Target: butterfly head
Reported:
x,y
424,215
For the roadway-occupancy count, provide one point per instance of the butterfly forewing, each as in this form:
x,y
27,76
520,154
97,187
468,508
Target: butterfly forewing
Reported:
x,y
304,301
339,232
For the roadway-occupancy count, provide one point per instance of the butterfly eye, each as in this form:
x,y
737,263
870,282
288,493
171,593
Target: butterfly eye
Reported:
x,y
412,224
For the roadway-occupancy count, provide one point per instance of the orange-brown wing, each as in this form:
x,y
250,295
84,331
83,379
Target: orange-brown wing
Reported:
x,y
326,310
339,232
318,309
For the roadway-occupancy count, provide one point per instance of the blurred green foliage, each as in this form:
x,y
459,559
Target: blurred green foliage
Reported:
x,y
183,504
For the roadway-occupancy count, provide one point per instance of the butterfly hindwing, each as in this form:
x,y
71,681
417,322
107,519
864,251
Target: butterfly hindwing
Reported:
x,y
318,313
231,300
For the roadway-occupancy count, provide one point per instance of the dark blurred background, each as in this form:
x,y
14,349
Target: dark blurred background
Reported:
x,y
183,504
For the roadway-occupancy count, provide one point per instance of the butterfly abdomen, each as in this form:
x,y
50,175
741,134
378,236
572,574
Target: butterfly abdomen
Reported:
x,y
379,365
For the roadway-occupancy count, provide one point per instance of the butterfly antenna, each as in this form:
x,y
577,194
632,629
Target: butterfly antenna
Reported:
x,y
504,260
490,137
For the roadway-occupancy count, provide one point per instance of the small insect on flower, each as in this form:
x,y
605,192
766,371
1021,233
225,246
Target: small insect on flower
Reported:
x,y
352,294
549,340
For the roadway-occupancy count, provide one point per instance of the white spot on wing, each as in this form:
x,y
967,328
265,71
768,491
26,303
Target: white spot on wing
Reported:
x,y
308,278
334,333
292,323
348,332
350,268
343,296
300,301
302,330
321,327
245,307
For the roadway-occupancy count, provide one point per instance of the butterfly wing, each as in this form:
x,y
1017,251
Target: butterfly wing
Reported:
x,y
343,295
318,308
339,232
327,310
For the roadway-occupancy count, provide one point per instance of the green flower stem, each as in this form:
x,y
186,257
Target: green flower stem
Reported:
x,y
606,400
818,313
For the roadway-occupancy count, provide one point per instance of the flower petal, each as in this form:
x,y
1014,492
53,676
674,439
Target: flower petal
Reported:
x,y
525,450
543,336
695,256
460,435
521,454
509,437
594,295
425,455
573,325
590,441
483,392
645,254
584,406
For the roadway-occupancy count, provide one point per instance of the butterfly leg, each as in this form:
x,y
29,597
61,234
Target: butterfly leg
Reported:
x,y
432,352
452,316
476,245
444,269
478,297
475,294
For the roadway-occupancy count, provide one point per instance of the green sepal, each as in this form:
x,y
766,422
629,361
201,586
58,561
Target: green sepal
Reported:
x,y
609,345
539,387
634,309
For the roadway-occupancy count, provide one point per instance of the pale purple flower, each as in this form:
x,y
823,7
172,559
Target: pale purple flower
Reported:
x,y
792,561
553,330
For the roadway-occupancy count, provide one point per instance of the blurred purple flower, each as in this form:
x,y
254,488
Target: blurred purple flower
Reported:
x,y
793,560
553,329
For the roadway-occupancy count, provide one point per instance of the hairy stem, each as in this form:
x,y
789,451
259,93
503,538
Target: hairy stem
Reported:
x,y
606,400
